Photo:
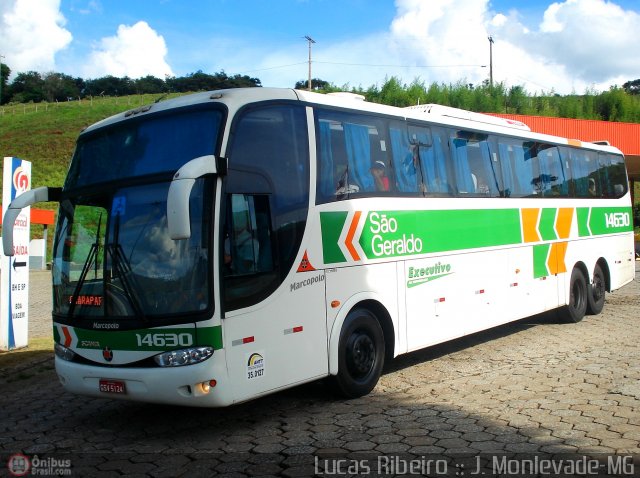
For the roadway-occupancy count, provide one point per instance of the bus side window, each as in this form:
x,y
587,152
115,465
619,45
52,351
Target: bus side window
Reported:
x,y
405,160
585,175
249,265
348,147
516,166
474,168
550,177
269,170
612,175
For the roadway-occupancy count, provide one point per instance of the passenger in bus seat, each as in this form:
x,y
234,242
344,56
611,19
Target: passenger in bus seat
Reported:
x,y
344,187
480,185
592,188
379,173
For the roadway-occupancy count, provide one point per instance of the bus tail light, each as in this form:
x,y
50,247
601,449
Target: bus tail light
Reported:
x,y
178,358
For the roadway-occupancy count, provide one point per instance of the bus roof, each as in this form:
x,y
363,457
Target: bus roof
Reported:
x,y
434,114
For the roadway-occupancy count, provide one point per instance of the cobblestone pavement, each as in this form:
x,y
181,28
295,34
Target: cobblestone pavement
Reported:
x,y
534,386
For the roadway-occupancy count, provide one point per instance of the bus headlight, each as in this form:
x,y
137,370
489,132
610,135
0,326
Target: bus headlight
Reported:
x,y
63,352
177,358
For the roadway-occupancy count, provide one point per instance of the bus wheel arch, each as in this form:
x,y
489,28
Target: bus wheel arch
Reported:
x,y
359,346
577,295
599,284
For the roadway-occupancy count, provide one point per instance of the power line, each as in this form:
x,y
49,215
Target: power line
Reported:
x,y
364,64
274,67
400,66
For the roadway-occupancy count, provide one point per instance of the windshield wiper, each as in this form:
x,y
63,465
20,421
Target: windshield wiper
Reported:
x,y
123,272
91,257
93,252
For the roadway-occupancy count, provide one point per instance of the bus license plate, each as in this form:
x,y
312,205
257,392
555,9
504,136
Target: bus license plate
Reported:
x,y
112,386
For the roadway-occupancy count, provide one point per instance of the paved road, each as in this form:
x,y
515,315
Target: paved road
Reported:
x,y
530,387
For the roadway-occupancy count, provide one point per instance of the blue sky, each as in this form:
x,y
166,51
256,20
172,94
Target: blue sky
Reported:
x,y
562,46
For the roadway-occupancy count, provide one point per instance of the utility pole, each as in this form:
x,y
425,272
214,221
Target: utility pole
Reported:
x,y
491,61
310,40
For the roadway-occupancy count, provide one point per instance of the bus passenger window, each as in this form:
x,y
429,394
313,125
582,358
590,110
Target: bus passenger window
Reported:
x,y
405,160
349,146
549,177
474,168
585,174
612,175
249,265
516,166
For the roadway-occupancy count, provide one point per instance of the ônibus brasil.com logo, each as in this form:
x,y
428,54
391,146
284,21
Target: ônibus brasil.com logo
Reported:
x,y
20,465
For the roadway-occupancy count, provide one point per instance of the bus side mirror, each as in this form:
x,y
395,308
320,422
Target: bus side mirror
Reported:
x,y
25,199
178,220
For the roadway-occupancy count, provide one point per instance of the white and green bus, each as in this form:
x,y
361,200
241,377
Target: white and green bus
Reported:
x,y
221,246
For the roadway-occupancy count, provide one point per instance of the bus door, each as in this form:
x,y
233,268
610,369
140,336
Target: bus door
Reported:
x,y
274,330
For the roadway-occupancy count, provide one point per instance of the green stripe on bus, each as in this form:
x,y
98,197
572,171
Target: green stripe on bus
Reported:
x,y
540,255
209,336
158,339
547,224
387,234
420,232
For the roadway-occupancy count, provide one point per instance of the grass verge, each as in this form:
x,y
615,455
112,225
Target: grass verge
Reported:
x,y
38,348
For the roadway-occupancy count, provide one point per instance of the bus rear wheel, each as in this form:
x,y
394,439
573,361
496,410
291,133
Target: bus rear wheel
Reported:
x,y
361,351
597,290
578,292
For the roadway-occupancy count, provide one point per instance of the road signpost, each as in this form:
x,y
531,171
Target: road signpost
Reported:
x,y
14,290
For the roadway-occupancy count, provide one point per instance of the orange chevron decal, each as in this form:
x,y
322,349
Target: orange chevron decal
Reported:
x,y
348,242
563,222
556,258
67,337
530,224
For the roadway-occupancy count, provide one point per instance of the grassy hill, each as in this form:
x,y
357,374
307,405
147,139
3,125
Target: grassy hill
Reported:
x,y
45,133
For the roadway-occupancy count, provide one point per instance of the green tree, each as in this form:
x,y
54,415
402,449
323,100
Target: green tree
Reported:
x,y
316,85
632,87
59,87
109,86
149,84
27,87
5,72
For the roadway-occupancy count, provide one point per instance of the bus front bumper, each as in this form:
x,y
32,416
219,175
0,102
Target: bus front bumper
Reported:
x,y
199,385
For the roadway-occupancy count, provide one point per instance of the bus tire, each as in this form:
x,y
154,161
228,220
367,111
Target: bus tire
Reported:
x,y
576,308
597,290
361,352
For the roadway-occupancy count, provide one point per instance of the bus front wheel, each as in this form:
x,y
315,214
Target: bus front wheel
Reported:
x,y
361,351
597,290
578,292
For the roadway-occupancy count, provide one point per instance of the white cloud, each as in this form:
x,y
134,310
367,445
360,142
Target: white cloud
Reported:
x,y
31,33
135,51
578,44
596,40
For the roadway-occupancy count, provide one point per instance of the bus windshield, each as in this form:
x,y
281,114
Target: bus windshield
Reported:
x,y
113,256
143,146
